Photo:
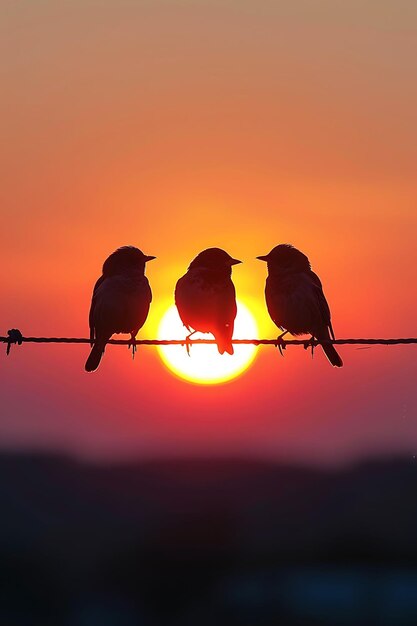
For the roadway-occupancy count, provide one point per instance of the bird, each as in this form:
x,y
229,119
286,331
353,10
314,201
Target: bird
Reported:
x,y
206,298
295,299
120,302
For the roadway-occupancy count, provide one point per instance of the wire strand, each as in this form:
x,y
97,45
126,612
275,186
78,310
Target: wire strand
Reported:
x,y
182,342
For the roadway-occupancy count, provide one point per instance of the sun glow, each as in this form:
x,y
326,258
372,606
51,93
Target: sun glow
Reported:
x,y
205,365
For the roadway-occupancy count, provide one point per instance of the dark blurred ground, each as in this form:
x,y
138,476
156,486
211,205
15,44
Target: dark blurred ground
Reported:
x,y
204,542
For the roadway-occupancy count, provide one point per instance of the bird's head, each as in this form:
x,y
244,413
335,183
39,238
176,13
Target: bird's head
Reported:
x,y
286,258
125,259
214,259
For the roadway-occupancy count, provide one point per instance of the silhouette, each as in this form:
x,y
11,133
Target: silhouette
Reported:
x,y
120,302
206,299
203,541
295,298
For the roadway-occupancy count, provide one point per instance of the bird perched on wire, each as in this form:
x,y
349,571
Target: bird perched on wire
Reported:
x,y
120,302
206,299
295,299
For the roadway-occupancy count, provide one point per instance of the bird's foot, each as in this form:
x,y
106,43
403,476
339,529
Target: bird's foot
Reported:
x,y
280,343
132,346
310,343
188,343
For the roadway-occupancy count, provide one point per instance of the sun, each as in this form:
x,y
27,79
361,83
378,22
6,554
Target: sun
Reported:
x,y
205,365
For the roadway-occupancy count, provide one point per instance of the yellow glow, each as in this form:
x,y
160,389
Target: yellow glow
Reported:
x,y
205,365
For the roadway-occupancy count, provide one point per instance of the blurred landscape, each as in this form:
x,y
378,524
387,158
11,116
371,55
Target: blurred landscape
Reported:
x,y
206,541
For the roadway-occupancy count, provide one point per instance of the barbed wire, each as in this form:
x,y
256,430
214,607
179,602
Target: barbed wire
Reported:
x,y
15,336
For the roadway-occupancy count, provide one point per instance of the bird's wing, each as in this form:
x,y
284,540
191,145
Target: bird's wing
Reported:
x,y
204,304
323,328
322,304
92,307
227,311
226,308
140,301
287,299
121,305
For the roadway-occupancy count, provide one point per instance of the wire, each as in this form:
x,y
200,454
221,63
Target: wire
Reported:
x,y
14,336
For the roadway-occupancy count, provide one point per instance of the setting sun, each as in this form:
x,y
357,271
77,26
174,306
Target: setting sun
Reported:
x,y
205,365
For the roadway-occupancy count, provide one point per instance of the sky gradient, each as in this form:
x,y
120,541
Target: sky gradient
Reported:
x,y
179,125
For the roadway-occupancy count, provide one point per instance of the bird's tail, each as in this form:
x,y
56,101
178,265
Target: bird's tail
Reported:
x,y
330,351
94,359
224,342
225,347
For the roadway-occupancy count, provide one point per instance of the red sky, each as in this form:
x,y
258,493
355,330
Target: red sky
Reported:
x,y
177,125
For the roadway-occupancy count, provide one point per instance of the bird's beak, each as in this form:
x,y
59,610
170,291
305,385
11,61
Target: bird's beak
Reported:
x,y
263,258
149,258
234,262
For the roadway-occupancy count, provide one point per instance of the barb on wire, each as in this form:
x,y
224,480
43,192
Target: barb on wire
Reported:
x,y
15,336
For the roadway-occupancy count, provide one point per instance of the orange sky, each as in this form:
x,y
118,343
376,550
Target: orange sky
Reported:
x,y
177,125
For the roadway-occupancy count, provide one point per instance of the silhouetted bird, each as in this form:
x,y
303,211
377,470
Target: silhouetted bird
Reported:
x,y
121,300
295,298
206,299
